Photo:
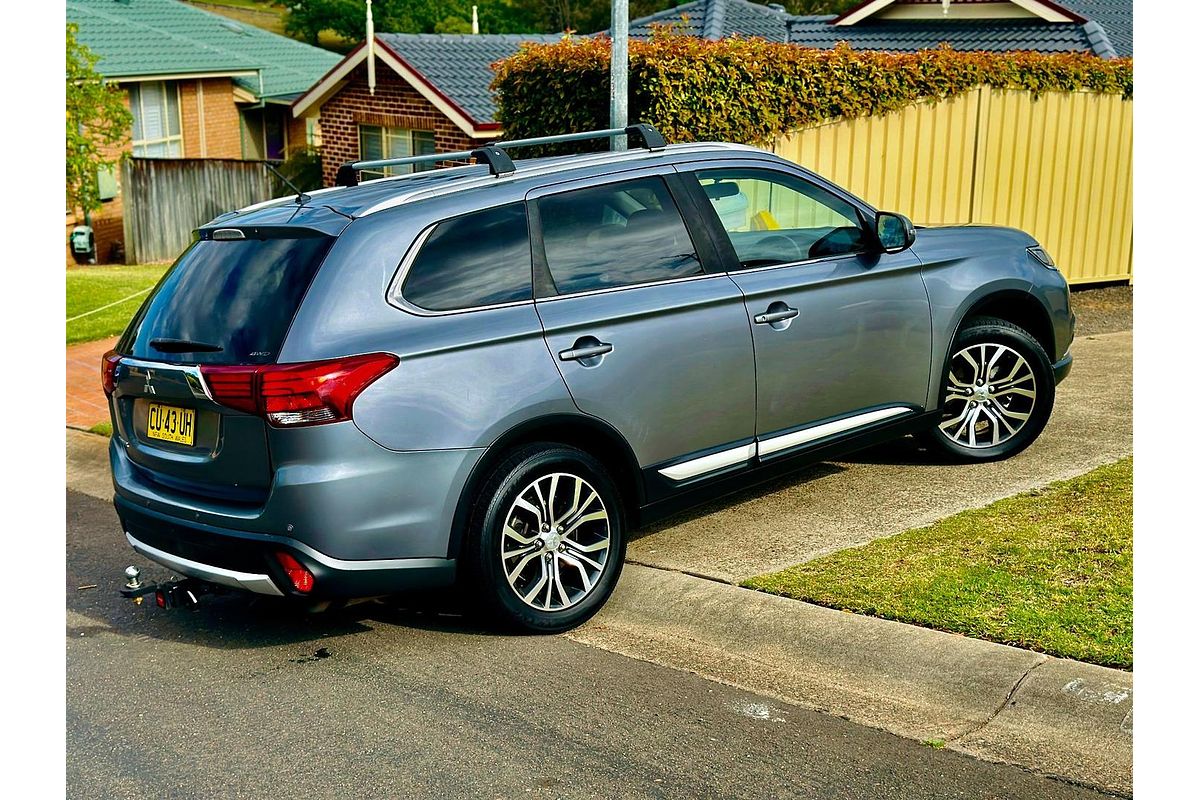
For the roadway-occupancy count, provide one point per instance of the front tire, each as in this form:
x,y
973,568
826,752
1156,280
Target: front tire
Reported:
x,y
997,392
547,539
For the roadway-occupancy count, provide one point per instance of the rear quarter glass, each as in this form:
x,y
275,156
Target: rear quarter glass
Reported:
x,y
239,296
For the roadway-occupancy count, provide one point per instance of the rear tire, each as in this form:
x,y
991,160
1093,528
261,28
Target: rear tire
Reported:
x,y
997,392
546,541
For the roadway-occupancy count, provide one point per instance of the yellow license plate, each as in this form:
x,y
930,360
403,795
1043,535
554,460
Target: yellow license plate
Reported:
x,y
171,424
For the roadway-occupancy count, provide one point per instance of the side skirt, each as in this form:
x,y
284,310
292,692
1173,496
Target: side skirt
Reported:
x,y
666,499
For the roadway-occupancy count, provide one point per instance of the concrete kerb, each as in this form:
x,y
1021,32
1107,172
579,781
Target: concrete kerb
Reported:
x,y
1050,715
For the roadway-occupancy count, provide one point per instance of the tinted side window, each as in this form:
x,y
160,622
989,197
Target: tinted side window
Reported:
x,y
775,218
615,235
478,259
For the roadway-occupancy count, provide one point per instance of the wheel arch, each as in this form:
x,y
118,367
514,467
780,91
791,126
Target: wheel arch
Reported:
x,y
589,434
1021,308
1015,304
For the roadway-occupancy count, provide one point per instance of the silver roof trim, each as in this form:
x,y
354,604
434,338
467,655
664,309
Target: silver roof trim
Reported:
x,y
590,159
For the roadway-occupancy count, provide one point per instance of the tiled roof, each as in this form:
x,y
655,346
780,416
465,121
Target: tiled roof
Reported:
x,y
909,36
459,65
1108,30
165,37
1115,16
715,19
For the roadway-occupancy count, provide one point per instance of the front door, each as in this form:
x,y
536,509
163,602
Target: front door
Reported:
x,y
644,337
842,334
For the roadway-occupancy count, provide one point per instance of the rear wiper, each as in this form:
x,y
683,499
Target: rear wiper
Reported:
x,y
184,346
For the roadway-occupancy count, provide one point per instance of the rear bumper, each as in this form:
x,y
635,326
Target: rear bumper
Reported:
x,y
1063,368
247,561
333,490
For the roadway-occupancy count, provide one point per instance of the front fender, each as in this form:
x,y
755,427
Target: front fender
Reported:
x,y
963,268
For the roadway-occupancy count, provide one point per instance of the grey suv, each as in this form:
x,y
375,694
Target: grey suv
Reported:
x,y
491,373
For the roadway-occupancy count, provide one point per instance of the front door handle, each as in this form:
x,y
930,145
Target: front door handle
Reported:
x,y
585,349
771,317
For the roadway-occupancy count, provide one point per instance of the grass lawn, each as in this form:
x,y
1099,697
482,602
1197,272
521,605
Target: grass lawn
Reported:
x,y
1050,570
90,288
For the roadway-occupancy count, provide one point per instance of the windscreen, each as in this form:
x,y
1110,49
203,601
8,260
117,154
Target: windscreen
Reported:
x,y
226,302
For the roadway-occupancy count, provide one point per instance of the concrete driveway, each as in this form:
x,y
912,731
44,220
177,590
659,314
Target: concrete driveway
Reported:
x,y
888,490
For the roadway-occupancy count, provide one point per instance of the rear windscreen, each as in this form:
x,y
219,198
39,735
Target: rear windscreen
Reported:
x,y
226,302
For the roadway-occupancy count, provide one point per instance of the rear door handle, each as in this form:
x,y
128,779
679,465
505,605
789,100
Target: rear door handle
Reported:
x,y
585,351
770,317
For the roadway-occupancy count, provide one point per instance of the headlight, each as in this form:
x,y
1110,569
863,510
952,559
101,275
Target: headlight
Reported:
x,y
1041,255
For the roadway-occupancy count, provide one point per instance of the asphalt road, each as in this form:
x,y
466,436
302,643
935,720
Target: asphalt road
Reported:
x,y
241,698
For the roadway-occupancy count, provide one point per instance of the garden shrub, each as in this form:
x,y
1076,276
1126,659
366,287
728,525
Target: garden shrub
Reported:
x,y
753,91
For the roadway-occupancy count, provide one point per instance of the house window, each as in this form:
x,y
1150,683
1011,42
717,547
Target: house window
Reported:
x,y
376,142
157,132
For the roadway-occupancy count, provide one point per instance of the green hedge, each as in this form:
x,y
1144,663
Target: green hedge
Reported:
x,y
752,91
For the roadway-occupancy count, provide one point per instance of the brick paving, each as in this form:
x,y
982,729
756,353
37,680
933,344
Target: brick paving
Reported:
x,y
85,399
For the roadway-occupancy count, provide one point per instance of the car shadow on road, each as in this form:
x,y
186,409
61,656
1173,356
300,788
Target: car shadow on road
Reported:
x,y
906,451
239,621
811,472
96,560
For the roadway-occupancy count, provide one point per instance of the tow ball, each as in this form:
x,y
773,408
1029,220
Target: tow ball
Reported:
x,y
182,593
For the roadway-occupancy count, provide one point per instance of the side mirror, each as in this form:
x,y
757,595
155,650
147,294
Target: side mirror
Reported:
x,y
894,231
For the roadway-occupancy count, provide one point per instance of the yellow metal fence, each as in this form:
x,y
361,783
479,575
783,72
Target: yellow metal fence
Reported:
x,y
1059,167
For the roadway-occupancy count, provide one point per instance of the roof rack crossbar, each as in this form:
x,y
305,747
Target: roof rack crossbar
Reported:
x,y
494,156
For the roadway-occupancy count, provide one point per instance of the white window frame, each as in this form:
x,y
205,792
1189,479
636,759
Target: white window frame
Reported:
x,y
386,134
168,140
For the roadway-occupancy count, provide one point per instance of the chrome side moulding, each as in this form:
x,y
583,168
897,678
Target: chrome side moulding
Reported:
x,y
776,443
709,463
696,467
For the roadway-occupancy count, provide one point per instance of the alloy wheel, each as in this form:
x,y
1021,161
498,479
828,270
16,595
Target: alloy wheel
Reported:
x,y
555,542
990,396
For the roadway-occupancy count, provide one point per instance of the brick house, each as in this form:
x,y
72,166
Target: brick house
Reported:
x,y
198,85
431,95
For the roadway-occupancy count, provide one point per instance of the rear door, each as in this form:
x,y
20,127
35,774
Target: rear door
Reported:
x,y
644,337
842,333
223,302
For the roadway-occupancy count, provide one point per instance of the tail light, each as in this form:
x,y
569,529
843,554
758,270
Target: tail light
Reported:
x,y
302,580
108,371
291,395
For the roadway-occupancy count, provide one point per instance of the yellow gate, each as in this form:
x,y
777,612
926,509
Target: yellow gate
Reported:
x,y
1059,167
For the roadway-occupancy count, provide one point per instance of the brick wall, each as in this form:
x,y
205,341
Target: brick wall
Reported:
x,y
222,133
394,104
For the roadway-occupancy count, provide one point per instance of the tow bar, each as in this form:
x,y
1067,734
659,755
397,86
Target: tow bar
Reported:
x,y
182,593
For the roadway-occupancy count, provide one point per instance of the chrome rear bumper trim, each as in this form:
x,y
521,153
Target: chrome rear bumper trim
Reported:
x,y
251,582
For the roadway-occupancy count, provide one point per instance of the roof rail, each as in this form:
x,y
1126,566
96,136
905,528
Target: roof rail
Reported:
x,y
494,156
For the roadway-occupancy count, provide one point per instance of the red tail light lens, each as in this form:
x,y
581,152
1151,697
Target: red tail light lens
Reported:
x,y
290,395
323,391
108,371
302,580
235,387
